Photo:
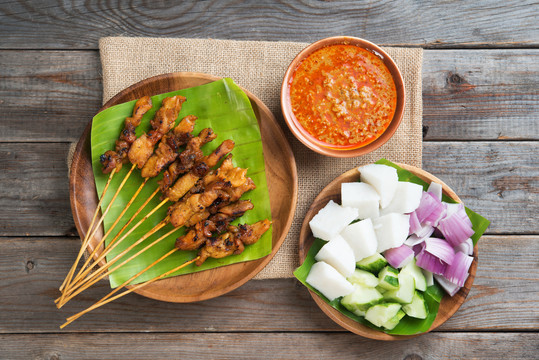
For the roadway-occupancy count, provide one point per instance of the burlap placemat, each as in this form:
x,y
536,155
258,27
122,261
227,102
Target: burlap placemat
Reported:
x,y
259,67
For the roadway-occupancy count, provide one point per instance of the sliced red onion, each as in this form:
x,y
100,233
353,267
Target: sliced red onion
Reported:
x,y
440,248
413,240
465,247
430,262
447,285
457,272
455,229
430,209
399,256
458,208
415,225
436,190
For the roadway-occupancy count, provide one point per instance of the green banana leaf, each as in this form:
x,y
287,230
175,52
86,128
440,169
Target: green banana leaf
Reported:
x,y
433,295
224,107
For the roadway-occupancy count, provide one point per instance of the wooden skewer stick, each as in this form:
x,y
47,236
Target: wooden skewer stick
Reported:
x,y
87,237
101,242
100,274
91,233
112,246
107,298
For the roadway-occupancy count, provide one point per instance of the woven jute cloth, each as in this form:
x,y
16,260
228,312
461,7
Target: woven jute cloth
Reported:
x,y
259,67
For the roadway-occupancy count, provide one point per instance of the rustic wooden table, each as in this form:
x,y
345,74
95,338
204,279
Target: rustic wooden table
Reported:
x,y
481,132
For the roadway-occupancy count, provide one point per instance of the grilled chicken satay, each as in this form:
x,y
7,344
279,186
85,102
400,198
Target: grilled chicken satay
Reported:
x,y
218,223
192,209
113,159
199,169
186,159
165,117
232,241
164,154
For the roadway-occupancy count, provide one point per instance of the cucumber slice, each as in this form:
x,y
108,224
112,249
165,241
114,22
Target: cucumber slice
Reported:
x,y
361,298
417,273
418,307
380,314
389,278
391,323
373,263
359,312
363,277
405,292
428,277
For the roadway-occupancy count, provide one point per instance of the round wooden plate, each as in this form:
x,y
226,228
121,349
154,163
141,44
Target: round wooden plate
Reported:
x,y
332,191
281,177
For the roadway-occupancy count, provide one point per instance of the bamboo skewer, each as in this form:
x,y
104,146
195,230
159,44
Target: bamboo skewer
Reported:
x,y
100,274
110,248
91,232
87,237
107,298
101,242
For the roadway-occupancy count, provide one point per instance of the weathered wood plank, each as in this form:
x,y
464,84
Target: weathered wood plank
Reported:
x,y
499,180
48,96
504,296
481,95
268,346
79,25
467,94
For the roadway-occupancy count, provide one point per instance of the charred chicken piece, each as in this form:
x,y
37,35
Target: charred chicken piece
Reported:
x,y
199,169
163,121
232,241
165,154
114,159
186,158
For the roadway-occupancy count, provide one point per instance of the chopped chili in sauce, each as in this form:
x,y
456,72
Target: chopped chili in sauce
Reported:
x,y
343,95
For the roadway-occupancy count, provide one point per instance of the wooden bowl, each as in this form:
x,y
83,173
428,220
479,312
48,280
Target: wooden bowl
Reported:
x,y
326,149
281,177
448,306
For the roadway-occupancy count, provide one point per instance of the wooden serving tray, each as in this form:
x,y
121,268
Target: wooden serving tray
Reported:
x,y
281,177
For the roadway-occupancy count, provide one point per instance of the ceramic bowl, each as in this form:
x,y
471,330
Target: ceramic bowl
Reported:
x,y
327,149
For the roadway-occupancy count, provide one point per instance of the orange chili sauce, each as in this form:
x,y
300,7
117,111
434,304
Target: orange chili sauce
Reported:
x,y
343,95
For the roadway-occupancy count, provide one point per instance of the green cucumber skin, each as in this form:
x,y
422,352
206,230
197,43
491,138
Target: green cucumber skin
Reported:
x,y
372,264
418,307
389,278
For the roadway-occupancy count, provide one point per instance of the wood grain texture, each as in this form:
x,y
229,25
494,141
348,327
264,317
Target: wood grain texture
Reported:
x,y
268,346
467,94
503,298
54,25
499,180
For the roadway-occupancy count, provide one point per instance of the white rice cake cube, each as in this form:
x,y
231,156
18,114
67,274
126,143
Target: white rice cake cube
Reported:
x,y
361,238
406,198
324,278
338,254
361,196
391,230
383,178
331,220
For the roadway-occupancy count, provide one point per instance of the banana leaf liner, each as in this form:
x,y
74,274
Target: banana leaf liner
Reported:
x,y
224,107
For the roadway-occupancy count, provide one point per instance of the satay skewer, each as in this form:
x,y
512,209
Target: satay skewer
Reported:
x,y
101,274
112,161
106,299
186,182
138,151
180,137
245,235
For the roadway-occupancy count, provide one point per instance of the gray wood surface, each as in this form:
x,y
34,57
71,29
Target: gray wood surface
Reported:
x,y
502,298
31,24
481,132
269,346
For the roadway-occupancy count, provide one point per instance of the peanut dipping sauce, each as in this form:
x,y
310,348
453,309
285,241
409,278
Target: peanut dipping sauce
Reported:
x,y
343,95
